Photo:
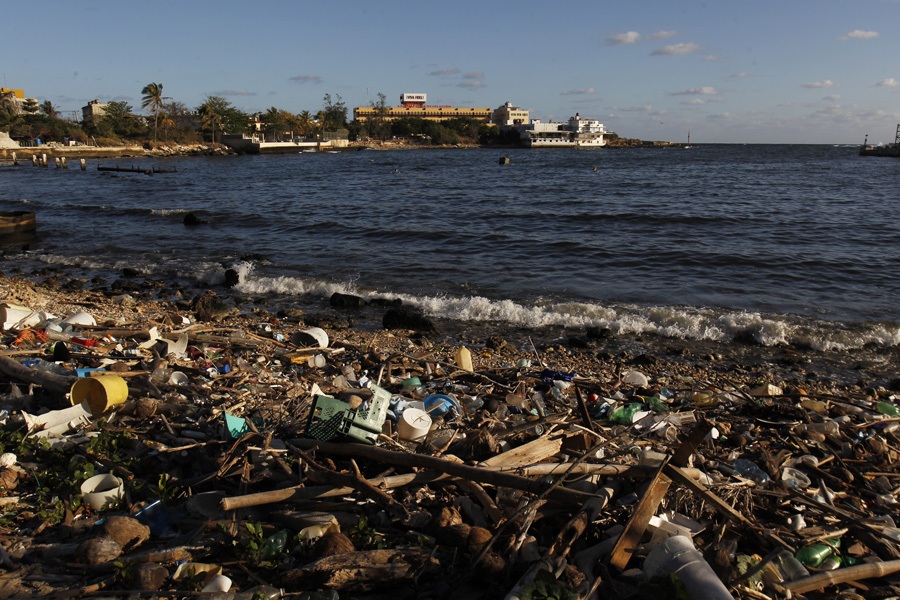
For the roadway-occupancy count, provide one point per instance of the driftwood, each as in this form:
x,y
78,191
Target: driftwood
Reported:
x,y
559,494
829,578
646,508
57,384
363,570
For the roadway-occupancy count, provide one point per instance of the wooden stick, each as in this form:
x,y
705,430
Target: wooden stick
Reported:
x,y
829,578
559,494
58,384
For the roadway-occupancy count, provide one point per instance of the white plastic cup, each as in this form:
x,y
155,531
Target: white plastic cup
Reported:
x,y
217,583
100,490
314,336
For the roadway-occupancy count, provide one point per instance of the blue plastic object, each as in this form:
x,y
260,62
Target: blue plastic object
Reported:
x,y
438,405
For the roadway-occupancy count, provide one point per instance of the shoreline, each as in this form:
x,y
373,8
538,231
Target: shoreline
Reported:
x,y
167,442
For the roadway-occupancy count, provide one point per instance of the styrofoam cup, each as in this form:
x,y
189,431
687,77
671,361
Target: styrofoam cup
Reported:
x,y
102,489
413,425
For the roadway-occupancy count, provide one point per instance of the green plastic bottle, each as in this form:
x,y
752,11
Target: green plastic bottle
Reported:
x,y
624,415
815,554
887,409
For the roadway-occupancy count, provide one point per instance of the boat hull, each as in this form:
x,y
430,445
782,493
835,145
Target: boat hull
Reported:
x,y
20,221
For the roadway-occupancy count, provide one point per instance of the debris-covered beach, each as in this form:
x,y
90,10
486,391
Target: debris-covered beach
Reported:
x,y
268,452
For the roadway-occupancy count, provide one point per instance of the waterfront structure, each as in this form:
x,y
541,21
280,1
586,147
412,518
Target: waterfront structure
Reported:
x,y
93,112
413,106
576,132
508,115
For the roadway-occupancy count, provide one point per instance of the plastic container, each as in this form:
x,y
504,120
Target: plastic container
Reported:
x,y
794,479
829,428
816,554
791,568
887,409
464,359
101,490
413,425
624,414
750,470
678,556
99,393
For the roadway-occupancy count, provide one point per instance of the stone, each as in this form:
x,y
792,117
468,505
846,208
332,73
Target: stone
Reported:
x,y
339,300
128,532
98,550
149,577
403,317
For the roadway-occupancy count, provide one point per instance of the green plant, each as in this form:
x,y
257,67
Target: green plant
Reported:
x,y
165,489
364,536
250,544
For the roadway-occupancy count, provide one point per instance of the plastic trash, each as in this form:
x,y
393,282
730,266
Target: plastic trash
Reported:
x,y
678,556
635,378
794,479
464,359
887,409
791,568
750,470
816,554
625,414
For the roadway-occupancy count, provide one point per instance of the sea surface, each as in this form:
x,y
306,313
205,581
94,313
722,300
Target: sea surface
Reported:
x,y
785,244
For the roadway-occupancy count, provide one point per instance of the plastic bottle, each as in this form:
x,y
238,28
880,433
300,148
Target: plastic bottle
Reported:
x,y
794,479
887,409
464,359
273,545
624,415
815,554
791,568
829,428
750,470
677,554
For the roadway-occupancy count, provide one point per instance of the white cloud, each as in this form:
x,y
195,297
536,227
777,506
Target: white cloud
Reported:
x,y
832,98
577,92
618,39
474,75
233,93
859,34
818,84
705,91
741,75
675,49
472,84
662,35
889,82
644,109
445,72
694,102
307,78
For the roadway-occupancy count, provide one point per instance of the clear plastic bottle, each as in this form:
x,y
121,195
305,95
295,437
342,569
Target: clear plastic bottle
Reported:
x,y
791,568
750,470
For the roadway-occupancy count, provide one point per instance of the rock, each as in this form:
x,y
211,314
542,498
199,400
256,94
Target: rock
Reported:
x,y
231,278
331,544
404,317
98,550
126,531
339,300
478,537
191,220
149,577
447,517
208,307
455,536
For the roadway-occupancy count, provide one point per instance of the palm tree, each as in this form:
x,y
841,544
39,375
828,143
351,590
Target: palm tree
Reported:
x,y
212,113
48,109
153,98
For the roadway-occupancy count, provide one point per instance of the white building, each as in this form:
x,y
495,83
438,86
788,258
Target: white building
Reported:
x,y
510,116
576,132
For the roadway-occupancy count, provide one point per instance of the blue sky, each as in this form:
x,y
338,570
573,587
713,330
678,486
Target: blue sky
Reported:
x,y
787,71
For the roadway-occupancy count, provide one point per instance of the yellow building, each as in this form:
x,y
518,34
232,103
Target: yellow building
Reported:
x,y
413,106
17,94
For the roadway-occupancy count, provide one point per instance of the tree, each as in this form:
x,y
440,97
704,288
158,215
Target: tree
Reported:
x,y
30,106
153,99
306,124
378,126
334,116
274,123
217,114
9,108
48,109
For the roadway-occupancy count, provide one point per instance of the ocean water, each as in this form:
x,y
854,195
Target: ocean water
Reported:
x,y
785,244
